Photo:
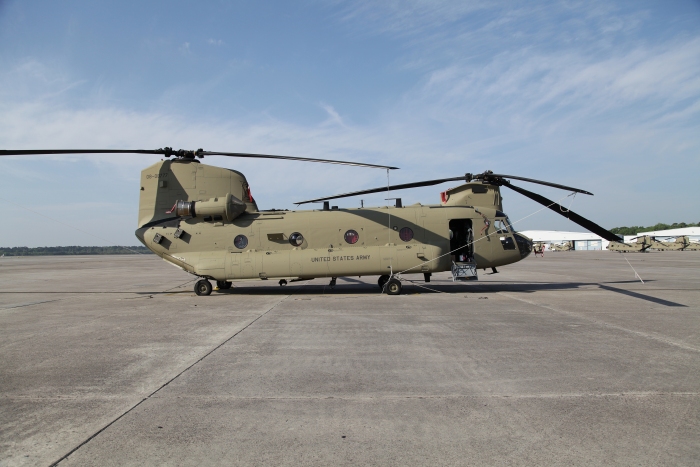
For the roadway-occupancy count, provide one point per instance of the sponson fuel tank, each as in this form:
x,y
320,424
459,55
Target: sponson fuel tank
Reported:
x,y
166,182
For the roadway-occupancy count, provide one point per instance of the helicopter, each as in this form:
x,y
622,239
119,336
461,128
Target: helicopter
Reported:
x,y
204,220
641,245
681,243
566,246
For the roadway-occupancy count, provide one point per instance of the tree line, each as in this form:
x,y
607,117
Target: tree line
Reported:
x,y
74,250
634,230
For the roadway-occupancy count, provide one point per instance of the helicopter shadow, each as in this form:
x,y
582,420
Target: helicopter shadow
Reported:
x,y
360,288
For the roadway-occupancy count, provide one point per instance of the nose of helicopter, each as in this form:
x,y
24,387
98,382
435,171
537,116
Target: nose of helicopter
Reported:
x,y
524,245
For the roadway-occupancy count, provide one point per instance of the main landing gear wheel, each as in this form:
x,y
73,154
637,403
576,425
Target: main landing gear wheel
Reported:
x,y
202,287
382,280
223,285
393,287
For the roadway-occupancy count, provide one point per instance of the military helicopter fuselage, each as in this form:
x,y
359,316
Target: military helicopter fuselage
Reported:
x,y
204,220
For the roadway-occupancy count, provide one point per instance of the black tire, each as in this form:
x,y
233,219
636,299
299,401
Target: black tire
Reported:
x,y
393,287
223,285
382,280
202,287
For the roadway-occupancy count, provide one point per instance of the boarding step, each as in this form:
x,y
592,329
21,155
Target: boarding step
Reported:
x,y
464,271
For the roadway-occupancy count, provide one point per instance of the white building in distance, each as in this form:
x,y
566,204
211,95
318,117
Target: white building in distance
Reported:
x,y
582,240
591,241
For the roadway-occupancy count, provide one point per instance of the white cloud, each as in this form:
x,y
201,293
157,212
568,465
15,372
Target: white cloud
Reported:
x,y
334,117
215,42
533,83
605,111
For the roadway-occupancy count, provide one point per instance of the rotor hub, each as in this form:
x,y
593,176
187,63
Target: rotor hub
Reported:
x,y
181,153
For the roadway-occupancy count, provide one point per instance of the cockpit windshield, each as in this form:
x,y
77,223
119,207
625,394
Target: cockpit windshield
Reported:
x,y
503,226
510,226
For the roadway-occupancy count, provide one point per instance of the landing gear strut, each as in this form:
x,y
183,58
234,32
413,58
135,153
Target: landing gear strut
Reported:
x,y
202,287
332,282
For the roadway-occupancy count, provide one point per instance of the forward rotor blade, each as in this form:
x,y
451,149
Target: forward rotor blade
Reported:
x,y
289,158
540,182
580,220
384,188
183,153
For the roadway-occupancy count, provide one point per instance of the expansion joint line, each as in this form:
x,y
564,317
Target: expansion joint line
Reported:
x,y
94,435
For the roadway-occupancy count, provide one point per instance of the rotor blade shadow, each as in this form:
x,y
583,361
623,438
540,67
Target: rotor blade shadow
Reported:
x,y
659,301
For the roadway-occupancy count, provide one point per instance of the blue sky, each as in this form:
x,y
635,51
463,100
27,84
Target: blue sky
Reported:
x,y
600,95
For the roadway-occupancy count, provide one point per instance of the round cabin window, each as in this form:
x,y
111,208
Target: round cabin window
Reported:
x,y
351,237
406,234
296,239
241,241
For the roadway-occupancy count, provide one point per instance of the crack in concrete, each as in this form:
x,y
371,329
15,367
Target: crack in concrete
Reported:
x,y
22,305
608,325
639,395
98,432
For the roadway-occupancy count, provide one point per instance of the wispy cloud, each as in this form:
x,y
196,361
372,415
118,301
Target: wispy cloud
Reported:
x,y
536,84
333,116
569,92
185,49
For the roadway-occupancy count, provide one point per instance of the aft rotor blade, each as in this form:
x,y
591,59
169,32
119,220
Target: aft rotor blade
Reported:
x,y
167,152
580,220
290,158
31,152
540,182
384,188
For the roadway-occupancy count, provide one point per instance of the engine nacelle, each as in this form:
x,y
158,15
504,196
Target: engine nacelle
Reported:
x,y
228,207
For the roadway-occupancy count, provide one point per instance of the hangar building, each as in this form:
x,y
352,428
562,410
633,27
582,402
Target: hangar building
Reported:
x,y
582,240
590,241
693,234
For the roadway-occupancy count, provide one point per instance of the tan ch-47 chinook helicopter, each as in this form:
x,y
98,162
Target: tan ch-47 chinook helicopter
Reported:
x,y
204,220
681,243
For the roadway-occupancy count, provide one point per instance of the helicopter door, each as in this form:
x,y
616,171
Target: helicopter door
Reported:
x,y
462,239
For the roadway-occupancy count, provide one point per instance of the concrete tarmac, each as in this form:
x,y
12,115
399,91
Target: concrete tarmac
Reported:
x,y
561,360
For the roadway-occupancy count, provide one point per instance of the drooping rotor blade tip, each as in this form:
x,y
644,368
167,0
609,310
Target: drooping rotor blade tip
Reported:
x,y
569,214
293,158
